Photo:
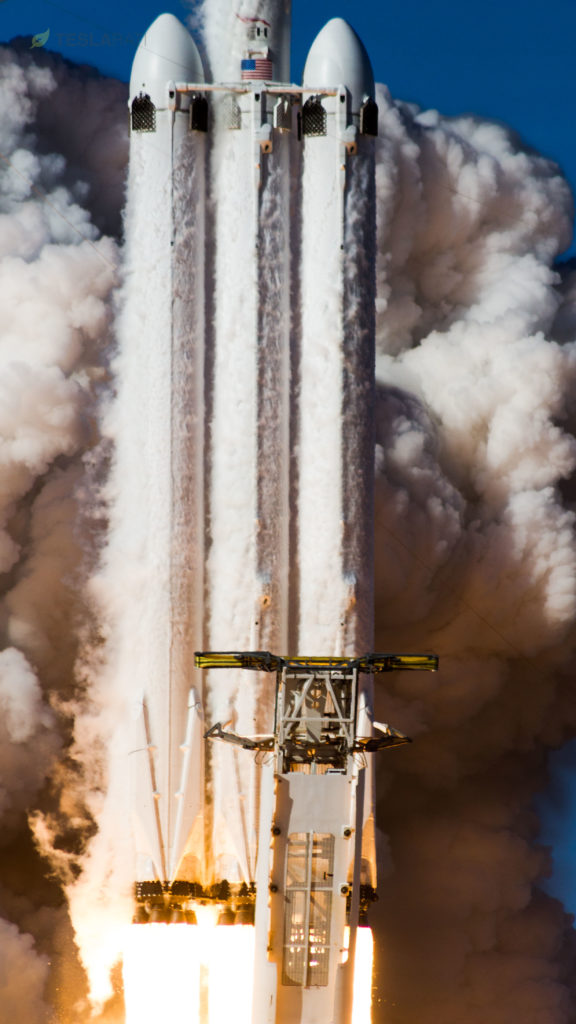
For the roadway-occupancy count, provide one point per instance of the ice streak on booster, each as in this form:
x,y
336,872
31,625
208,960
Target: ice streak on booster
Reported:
x,y
164,321
247,565
253,303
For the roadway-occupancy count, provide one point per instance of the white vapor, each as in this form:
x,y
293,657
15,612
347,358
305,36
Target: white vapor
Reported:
x,y
476,559
56,276
475,553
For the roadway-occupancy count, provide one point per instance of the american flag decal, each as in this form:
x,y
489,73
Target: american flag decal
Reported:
x,y
256,69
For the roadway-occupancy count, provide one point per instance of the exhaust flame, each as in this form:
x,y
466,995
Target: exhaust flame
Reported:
x,y
231,974
161,971
210,970
205,968
363,967
363,972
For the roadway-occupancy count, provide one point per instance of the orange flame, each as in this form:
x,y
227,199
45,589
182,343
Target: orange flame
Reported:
x,y
199,973
204,973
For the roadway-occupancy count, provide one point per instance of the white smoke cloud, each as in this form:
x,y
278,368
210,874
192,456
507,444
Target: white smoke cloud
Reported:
x,y
56,277
22,978
476,560
28,741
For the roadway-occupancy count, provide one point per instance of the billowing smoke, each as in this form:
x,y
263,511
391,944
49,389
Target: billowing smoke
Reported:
x,y
56,276
476,560
476,557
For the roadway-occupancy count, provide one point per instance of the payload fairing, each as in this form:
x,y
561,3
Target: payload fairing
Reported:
x,y
251,224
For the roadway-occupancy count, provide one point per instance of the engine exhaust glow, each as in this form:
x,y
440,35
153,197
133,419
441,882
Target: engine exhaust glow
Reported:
x,y
363,971
363,967
161,972
203,973
231,975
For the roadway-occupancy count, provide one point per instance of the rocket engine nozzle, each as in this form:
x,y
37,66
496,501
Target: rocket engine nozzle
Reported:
x,y
159,902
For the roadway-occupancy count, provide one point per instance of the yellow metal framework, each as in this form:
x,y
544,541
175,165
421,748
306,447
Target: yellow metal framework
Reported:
x,y
263,661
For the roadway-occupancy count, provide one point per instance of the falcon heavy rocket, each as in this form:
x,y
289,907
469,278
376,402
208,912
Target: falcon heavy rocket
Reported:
x,y
251,223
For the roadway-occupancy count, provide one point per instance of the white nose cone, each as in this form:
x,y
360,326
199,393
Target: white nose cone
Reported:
x,y
167,53
337,57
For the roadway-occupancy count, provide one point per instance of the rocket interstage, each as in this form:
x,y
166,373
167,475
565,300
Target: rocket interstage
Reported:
x,y
246,428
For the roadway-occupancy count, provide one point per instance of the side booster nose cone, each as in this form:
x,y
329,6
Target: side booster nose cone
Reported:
x,y
338,57
167,53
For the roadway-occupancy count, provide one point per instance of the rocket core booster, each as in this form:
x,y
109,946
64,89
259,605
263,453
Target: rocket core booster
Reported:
x,y
251,239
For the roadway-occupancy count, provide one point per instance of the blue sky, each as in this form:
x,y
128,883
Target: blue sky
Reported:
x,y
559,811
504,59
510,60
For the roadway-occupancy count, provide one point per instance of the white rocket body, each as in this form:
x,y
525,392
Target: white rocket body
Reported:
x,y
247,566
336,443
162,330
255,319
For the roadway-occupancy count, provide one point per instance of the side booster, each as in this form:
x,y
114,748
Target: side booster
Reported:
x,y
163,330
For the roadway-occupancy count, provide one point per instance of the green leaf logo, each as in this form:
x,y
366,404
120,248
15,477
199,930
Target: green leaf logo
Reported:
x,y
41,39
